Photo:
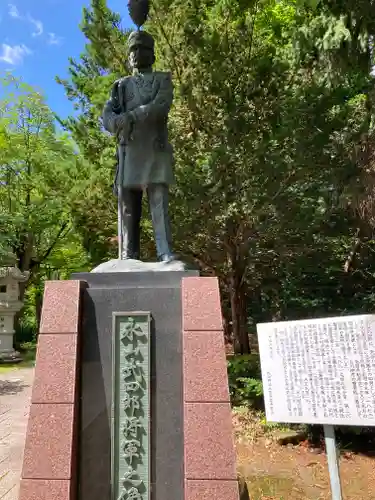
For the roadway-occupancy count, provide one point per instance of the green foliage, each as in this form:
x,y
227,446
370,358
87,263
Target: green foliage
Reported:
x,y
247,365
41,178
25,333
245,384
248,391
272,132
39,175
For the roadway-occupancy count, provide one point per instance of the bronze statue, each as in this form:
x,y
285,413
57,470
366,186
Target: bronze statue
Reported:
x,y
137,113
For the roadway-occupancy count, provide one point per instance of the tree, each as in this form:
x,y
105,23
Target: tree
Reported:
x,y
281,141
40,177
265,122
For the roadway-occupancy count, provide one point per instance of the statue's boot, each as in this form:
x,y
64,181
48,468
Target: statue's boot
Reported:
x,y
131,222
158,199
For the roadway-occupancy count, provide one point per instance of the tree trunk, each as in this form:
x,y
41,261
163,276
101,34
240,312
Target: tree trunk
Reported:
x,y
38,309
242,321
24,256
239,314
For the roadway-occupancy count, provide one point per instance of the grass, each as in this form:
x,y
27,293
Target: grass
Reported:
x,y
272,487
251,425
255,438
28,353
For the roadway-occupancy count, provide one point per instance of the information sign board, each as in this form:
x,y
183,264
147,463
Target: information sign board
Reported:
x,y
319,371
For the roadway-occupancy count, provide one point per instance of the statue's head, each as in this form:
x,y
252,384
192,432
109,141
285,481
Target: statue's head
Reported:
x,y
141,50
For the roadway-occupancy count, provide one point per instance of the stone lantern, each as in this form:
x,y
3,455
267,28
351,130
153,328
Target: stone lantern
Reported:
x,y
10,279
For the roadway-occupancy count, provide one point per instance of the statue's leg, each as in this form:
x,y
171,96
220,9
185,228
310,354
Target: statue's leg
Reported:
x,y
158,199
131,222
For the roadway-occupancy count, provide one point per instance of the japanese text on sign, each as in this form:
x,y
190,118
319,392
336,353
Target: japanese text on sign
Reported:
x,y
319,371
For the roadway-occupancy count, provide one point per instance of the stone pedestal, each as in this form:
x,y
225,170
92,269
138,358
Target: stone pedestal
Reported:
x,y
209,456
186,447
10,305
159,294
50,459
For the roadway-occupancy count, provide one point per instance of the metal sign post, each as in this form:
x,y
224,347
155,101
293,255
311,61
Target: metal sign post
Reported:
x,y
333,462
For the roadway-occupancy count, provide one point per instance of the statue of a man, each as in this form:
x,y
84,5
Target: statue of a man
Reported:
x,y
137,113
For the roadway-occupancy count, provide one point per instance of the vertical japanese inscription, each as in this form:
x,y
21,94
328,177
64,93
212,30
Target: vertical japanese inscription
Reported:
x,y
131,407
320,370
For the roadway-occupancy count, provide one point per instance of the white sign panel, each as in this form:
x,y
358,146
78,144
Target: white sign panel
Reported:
x,y
319,371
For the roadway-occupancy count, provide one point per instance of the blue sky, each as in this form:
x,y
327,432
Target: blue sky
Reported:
x,y
37,37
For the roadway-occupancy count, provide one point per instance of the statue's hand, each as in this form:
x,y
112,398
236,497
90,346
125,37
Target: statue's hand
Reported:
x,y
124,123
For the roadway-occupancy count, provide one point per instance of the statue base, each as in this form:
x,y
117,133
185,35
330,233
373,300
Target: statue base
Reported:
x,y
79,399
133,265
10,357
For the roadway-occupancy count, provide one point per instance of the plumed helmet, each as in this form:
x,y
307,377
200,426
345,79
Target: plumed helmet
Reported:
x,y
141,38
139,10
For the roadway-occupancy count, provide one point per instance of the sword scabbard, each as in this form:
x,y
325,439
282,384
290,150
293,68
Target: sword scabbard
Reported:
x,y
120,177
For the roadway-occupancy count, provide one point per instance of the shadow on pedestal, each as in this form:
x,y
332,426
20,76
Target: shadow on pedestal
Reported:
x,y
94,427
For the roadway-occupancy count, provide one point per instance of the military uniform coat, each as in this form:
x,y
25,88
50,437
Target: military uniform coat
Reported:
x,y
147,153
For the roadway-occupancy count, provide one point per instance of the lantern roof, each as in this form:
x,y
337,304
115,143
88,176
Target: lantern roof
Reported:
x,y
9,269
13,273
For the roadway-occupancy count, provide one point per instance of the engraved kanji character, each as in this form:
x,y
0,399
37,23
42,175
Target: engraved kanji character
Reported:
x,y
131,330
131,426
131,449
132,386
133,494
131,402
131,477
131,367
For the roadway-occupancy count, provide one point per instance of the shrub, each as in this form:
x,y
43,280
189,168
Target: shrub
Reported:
x,y
245,381
25,333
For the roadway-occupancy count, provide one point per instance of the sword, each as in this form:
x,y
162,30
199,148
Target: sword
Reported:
x,y
119,180
123,139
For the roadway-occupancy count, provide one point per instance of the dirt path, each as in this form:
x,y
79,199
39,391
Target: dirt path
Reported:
x,y
298,473
15,393
275,472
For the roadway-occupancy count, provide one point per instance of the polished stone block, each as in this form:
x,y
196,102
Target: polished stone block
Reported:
x,y
61,302
209,447
211,490
49,442
56,374
160,295
205,372
50,458
42,489
201,304
209,461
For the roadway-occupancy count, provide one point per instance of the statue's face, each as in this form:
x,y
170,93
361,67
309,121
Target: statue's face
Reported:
x,y
141,57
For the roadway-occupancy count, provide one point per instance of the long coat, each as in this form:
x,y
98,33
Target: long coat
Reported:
x,y
147,156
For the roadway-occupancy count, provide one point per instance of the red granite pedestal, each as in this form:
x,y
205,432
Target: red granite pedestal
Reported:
x,y
210,462
49,468
51,451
